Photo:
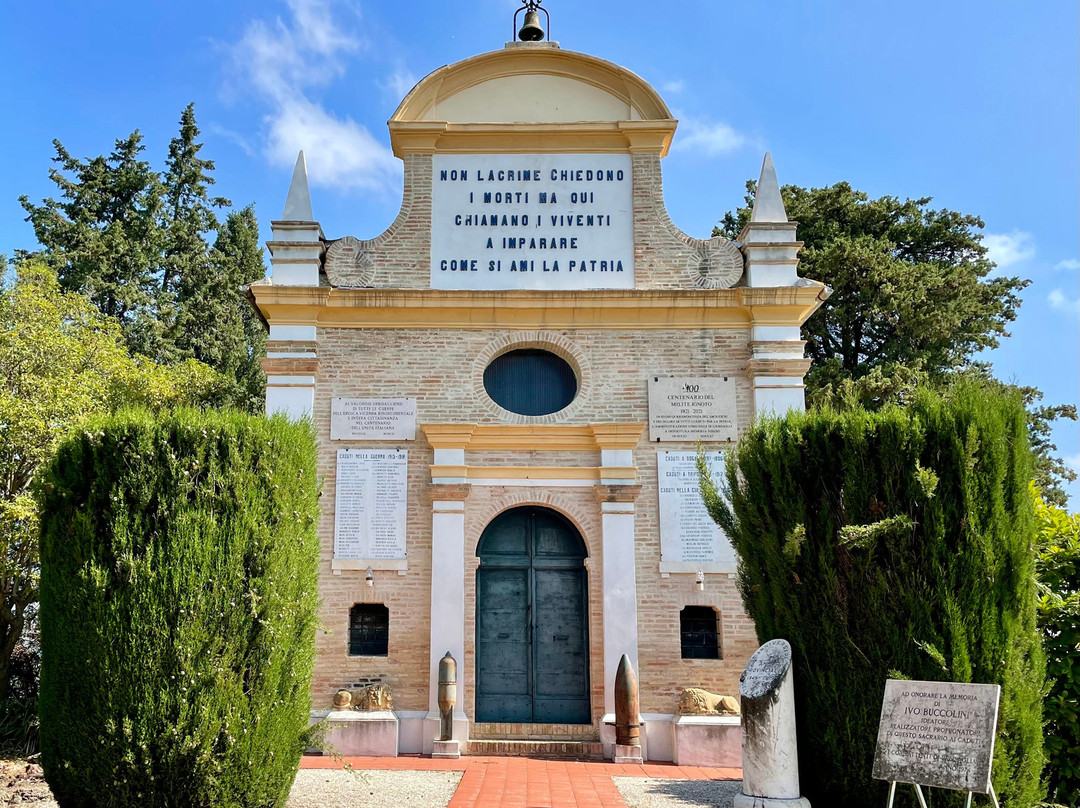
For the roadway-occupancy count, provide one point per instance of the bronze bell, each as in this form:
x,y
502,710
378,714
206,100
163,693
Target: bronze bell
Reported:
x,y
531,30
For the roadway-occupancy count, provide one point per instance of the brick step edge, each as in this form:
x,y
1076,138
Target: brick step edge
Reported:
x,y
535,732
579,750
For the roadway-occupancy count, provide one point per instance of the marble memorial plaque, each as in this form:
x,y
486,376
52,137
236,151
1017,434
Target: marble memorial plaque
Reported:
x,y
373,419
682,408
532,221
766,669
370,504
937,734
689,538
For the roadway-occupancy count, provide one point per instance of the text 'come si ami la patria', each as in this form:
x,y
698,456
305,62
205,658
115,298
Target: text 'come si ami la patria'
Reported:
x,y
515,215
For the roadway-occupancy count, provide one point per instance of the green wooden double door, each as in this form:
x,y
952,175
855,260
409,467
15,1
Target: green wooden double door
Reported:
x,y
532,643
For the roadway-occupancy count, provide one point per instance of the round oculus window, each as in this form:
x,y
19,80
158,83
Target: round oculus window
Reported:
x,y
530,382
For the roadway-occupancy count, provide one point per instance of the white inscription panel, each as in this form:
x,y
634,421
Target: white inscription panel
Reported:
x,y
532,221
689,539
937,734
373,419
682,408
370,504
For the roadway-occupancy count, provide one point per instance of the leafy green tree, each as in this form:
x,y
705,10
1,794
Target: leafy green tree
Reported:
x,y
214,324
150,251
61,360
179,603
1058,566
913,302
104,236
892,544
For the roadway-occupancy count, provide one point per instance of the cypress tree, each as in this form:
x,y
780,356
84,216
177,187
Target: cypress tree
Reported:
x,y
894,544
179,572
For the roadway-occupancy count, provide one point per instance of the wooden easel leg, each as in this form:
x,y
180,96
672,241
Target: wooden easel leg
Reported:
x,y
993,796
970,796
919,794
892,794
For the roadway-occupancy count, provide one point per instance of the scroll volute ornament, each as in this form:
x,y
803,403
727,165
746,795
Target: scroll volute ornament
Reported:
x,y
715,264
348,264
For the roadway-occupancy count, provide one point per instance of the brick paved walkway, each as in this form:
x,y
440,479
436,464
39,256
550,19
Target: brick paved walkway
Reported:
x,y
512,782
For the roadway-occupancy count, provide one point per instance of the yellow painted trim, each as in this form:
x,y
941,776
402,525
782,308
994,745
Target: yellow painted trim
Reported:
x,y
429,137
532,437
639,309
450,80
536,472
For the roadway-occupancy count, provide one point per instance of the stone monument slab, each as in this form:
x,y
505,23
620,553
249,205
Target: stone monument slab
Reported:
x,y
770,754
683,408
937,734
370,504
373,419
689,538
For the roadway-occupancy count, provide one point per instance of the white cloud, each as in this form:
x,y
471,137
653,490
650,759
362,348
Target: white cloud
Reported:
x,y
1073,462
1068,264
706,137
1006,249
673,87
233,137
280,62
398,83
1059,300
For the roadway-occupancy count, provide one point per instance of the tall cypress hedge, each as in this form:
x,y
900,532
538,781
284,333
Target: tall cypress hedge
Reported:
x,y
179,566
892,544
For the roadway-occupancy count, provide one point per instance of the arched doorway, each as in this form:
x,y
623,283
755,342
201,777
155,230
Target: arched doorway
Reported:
x,y
532,643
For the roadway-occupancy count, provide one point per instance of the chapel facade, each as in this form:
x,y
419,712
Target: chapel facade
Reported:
x,y
509,387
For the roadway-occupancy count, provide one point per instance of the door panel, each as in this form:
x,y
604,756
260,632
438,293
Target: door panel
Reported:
x,y
502,676
561,657
532,662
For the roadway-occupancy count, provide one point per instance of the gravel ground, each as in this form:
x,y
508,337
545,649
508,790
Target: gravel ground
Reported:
x,y
327,788
22,784
651,792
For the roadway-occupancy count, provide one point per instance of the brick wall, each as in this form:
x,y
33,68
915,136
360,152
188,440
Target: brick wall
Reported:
x,y
443,370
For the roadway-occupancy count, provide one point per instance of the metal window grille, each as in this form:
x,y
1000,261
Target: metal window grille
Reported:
x,y
530,382
700,638
369,629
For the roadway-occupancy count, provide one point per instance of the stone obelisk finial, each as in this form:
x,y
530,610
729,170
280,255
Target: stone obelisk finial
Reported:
x,y
298,202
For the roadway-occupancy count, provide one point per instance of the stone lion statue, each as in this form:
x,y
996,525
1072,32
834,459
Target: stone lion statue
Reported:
x,y
342,700
695,701
373,698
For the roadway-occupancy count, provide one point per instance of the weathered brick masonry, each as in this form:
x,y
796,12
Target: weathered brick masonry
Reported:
x,y
358,318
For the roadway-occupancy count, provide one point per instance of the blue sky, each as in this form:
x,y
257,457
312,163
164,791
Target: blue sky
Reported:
x,y
974,104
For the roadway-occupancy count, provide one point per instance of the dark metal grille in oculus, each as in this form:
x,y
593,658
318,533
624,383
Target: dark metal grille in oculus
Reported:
x,y
530,382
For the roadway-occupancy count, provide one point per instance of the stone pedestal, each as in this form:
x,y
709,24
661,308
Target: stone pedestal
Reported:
x,y
770,747
354,734
449,750
627,754
708,740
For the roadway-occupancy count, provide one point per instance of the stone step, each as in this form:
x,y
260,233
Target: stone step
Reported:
x,y
534,732
570,750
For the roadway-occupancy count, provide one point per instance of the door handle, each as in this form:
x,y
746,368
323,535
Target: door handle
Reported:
x,y
560,637
504,636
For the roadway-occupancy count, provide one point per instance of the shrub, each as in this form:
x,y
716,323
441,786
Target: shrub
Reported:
x,y
1059,619
892,544
178,609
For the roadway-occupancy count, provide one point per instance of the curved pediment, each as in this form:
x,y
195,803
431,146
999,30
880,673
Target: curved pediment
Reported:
x,y
532,84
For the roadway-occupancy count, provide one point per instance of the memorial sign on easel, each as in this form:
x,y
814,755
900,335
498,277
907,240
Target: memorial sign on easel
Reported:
x,y
690,541
937,734
370,509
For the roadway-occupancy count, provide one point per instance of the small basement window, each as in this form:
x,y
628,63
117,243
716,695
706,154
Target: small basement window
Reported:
x,y
530,382
369,629
700,637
